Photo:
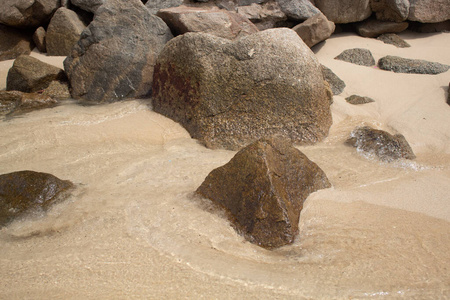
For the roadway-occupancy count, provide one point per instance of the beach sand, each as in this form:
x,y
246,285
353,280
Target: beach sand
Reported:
x,y
133,229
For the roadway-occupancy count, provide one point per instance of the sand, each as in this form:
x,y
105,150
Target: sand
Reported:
x,y
133,229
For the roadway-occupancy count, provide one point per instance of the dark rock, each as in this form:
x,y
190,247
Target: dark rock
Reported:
x,y
359,56
27,13
337,85
116,53
390,10
265,16
448,94
39,39
228,94
414,66
355,99
429,11
29,74
373,28
315,30
23,191
299,10
263,188
63,32
218,22
344,11
155,5
13,43
430,27
393,39
15,102
88,5
385,146
58,90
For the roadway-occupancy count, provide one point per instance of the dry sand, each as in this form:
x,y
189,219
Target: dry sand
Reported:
x,y
133,229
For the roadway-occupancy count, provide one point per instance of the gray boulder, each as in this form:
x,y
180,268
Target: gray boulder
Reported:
x,y
429,11
264,16
27,13
359,56
13,43
315,30
393,39
299,10
229,94
414,66
39,39
263,188
345,11
390,10
155,5
63,32
337,85
373,28
89,5
116,53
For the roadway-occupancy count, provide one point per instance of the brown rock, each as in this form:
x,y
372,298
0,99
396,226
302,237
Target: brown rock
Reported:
x,y
27,13
13,43
356,99
39,39
15,102
263,188
264,16
393,39
155,5
373,28
315,30
429,11
344,11
391,10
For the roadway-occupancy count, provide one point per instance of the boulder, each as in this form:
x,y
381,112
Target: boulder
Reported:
x,y
23,191
385,146
373,28
15,102
228,94
414,66
264,16
390,10
359,56
263,188
345,11
429,11
29,74
393,39
27,13
13,43
298,10
63,32
315,30
88,5
155,5
39,39
337,85
218,22
356,99
116,53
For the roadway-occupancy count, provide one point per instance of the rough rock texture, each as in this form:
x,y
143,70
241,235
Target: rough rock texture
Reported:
x,y
15,102
155,5
391,10
299,10
356,99
429,11
263,188
29,74
88,5
229,94
63,32
315,30
264,16
385,146
27,13
58,90
115,56
23,191
217,22
39,37
359,56
373,28
414,66
393,39
13,43
337,85
344,11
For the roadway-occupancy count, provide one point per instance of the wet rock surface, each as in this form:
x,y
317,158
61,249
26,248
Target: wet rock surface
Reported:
x,y
393,39
15,102
337,85
414,66
263,188
23,191
358,56
13,43
356,99
385,146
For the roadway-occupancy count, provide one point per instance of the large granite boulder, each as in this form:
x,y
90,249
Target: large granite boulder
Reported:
x,y
15,102
358,56
413,66
315,30
13,43
218,22
429,11
29,74
23,191
391,10
379,143
229,94
27,13
116,53
63,32
263,188
89,5
155,5
345,11
299,10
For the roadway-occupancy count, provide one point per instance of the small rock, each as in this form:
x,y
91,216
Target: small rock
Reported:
x,y
393,39
23,191
385,146
15,102
298,10
356,100
373,28
39,39
13,43
337,85
413,66
263,188
359,56
315,30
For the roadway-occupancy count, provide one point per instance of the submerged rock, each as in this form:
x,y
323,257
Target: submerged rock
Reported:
x,y
393,39
358,56
384,145
414,66
356,99
263,188
23,191
15,102
337,85
228,94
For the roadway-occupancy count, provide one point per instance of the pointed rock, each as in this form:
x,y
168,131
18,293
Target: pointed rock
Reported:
x,y
315,30
358,56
